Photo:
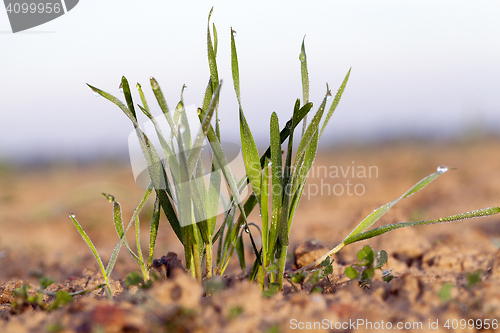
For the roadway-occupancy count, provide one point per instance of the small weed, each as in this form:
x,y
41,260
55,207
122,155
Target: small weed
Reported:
x,y
473,279
25,298
369,261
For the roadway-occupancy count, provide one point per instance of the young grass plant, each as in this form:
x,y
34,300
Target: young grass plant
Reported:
x,y
288,181
277,180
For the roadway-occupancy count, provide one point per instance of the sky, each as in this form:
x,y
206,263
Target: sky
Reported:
x,y
419,68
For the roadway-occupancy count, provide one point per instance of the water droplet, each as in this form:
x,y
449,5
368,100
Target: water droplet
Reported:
x,y
442,169
270,164
121,88
182,129
234,33
72,215
328,95
95,93
247,230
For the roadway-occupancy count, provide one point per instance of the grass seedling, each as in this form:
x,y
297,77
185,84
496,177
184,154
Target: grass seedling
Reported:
x,y
288,180
277,180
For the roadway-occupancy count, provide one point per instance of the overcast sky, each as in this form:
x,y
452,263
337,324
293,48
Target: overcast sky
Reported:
x,y
418,68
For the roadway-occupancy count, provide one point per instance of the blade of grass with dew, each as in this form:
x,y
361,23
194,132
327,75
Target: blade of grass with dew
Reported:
x,y
251,202
185,212
376,215
309,157
195,153
153,231
240,251
277,181
453,218
118,222
117,102
170,155
264,212
234,68
283,237
160,98
335,102
250,156
155,168
212,63
304,145
94,252
305,80
135,215
228,175
167,149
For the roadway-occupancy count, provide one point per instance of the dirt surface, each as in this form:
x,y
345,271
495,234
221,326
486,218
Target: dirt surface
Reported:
x,y
38,239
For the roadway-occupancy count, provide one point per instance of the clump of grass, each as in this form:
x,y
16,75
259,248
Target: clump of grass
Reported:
x,y
277,180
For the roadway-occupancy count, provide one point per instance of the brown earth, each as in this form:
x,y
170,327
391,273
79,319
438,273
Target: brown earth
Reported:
x,y
38,239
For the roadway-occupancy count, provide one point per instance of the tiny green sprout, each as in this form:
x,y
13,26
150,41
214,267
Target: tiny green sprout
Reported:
x,y
234,312
62,298
45,282
351,272
213,285
298,277
369,261
445,292
272,289
133,278
473,278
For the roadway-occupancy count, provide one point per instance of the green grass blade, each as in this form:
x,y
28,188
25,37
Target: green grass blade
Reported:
x,y
277,182
195,153
211,56
386,228
335,102
128,96
250,156
378,213
208,96
135,216
305,80
215,39
301,179
143,98
283,226
117,102
264,212
170,213
311,130
240,252
228,175
234,68
153,231
118,222
160,98
93,250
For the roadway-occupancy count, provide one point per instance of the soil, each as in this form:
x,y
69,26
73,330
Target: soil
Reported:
x,y
38,239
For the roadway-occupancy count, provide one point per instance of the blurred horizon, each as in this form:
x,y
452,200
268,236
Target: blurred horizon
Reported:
x,y
421,70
